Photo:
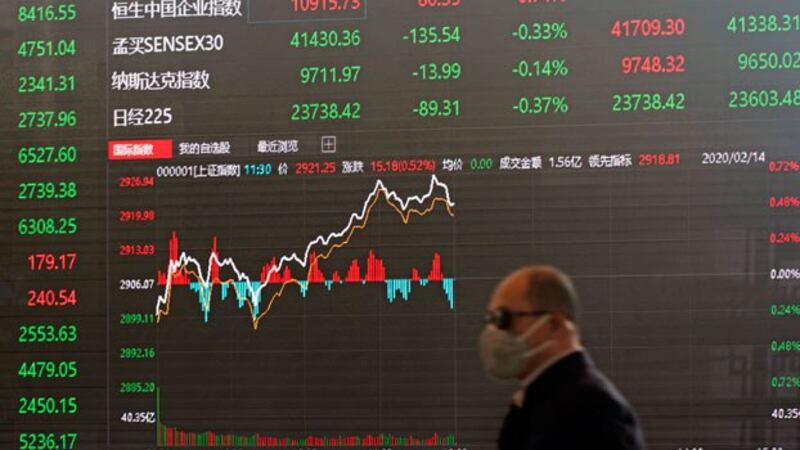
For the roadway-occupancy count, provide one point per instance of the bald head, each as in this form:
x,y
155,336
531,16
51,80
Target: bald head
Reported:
x,y
542,304
540,288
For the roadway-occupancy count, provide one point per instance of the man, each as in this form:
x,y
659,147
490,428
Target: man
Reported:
x,y
564,402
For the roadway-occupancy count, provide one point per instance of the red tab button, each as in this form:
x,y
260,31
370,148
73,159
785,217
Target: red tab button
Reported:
x,y
139,150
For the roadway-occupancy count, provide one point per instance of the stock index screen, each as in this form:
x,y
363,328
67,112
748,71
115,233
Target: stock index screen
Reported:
x,y
276,223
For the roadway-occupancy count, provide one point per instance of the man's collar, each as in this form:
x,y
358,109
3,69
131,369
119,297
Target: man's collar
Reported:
x,y
519,396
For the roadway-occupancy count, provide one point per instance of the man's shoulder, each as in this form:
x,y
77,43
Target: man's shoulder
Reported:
x,y
574,387
581,408
576,382
594,390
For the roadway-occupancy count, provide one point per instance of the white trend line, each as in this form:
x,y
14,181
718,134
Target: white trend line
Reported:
x,y
185,260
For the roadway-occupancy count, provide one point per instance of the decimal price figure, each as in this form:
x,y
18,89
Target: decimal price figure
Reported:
x,y
47,119
52,298
438,108
329,74
47,48
764,99
653,64
432,4
326,39
438,72
434,35
45,86
308,6
67,154
768,61
648,101
649,27
46,262
55,84
764,23
39,441
63,12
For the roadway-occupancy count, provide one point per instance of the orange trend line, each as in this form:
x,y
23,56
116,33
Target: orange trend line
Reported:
x,y
404,215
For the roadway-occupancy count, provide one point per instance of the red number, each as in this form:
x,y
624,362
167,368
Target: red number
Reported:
x,y
649,27
138,215
659,159
438,3
51,298
41,262
304,6
137,250
136,182
632,65
315,168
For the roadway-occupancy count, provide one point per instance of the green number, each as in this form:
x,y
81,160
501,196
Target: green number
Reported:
x,y
785,346
542,104
541,31
764,98
326,38
47,155
542,68
769,61
325,111
785,382
47,441
137,319
481,164
444,108
137,353
47,406
48,369
764,23
43,49
137,387
47,190
47,334
47,226
439,72
329,74
647,101
43,84
48,13
432,35
47,119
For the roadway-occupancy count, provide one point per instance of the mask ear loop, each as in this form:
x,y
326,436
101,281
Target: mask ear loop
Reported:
x,y
532,329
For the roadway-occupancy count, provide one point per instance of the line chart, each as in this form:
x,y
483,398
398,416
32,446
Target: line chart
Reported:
x,y
185,270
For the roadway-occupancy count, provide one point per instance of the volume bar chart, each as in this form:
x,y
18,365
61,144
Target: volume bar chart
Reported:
x,y
171,437
375,273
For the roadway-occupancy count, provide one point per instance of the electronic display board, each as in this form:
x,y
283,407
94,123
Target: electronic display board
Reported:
x,y
276,223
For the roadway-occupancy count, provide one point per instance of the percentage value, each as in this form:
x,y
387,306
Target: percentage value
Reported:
x,y
552,68
541,105
541,31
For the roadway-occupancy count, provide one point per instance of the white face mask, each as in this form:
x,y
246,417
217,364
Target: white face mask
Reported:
x,y
504,355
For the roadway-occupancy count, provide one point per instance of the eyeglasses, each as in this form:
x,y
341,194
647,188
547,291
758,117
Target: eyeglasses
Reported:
x,y
502,317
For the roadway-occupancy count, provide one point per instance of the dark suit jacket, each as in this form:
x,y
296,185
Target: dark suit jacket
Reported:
x,y
571,406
